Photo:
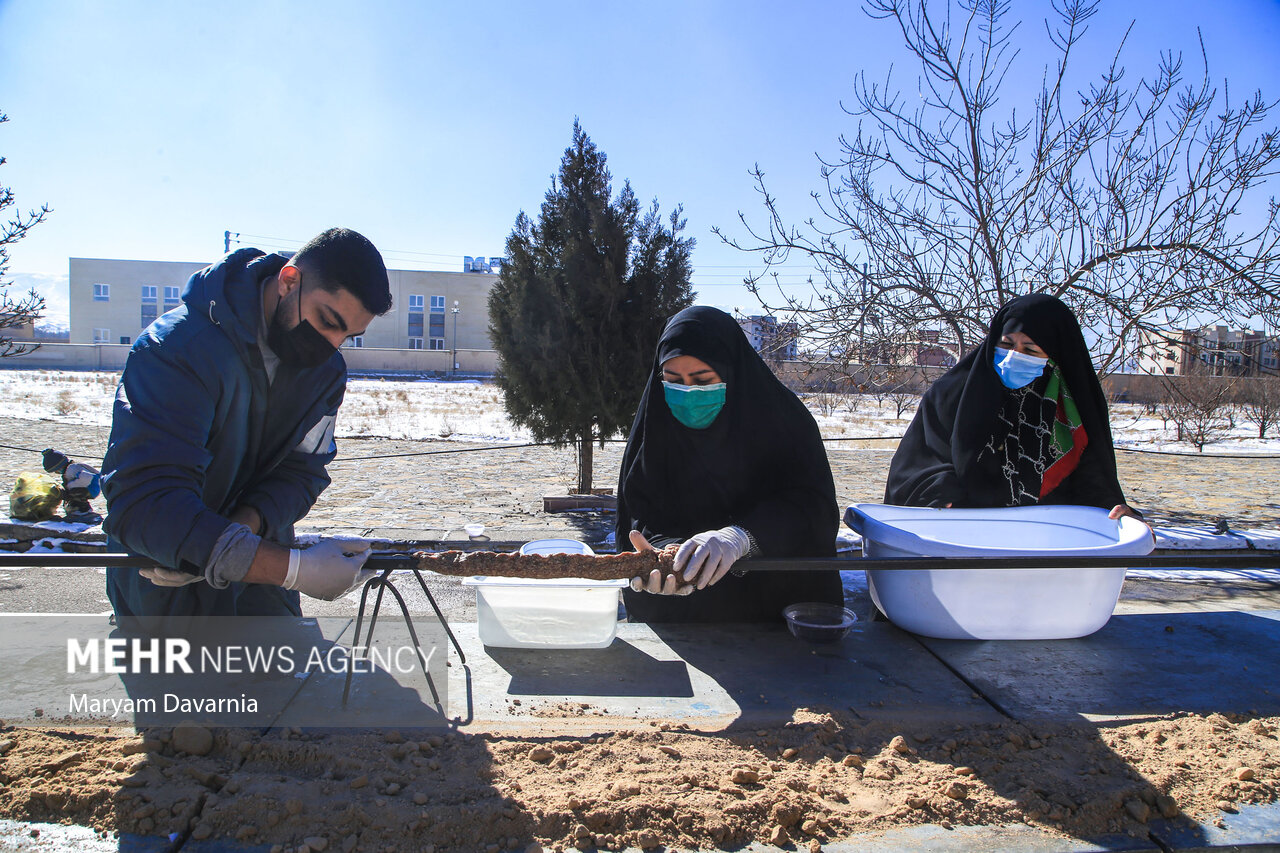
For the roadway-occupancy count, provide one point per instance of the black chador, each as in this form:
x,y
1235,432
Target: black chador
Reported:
x,y
760,465
976,443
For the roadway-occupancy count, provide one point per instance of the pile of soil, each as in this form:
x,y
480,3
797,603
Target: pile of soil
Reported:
x,y
822,777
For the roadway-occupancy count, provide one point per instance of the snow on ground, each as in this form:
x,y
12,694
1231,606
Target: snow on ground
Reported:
x,y
472,411
381,408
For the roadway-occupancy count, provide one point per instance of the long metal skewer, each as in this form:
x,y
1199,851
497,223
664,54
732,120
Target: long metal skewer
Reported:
x,y
405,562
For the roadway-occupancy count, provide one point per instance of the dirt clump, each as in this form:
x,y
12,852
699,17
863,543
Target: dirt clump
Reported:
x,y
821,778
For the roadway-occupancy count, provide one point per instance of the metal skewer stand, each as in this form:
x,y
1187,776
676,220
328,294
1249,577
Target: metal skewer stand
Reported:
x,y
382,582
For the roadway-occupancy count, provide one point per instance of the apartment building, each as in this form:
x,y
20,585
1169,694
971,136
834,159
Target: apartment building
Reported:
x,y
1211,351
769,337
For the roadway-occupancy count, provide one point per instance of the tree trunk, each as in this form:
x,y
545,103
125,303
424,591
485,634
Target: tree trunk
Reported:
x,y
585,451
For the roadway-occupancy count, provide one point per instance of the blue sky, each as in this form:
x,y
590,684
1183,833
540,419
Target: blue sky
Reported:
x,y
153,127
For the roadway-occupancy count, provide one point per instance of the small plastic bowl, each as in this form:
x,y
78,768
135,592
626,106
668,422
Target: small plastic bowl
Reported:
x,y
818,622
474,531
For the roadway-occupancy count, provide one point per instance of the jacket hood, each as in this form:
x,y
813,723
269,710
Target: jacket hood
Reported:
x,y
228,295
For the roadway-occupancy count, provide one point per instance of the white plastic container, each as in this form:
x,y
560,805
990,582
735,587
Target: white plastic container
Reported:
x,y
1000,603
547,613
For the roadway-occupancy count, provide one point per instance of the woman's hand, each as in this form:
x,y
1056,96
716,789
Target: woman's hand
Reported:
x,y
655,583
707,557
1123,509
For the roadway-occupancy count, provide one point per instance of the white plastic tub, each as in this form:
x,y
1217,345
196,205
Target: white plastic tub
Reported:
x,y
554,613
1000,603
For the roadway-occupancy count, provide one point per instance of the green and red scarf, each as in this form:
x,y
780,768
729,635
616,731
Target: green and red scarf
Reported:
x,y
1069,437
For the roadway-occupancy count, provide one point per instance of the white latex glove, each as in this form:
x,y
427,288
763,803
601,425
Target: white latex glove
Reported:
x,y
169,577
329,568
707,557
655,583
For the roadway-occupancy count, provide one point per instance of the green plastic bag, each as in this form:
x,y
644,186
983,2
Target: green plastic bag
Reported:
x,y
35,497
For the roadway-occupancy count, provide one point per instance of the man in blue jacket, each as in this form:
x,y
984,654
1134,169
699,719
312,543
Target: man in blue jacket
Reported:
x,y
222,428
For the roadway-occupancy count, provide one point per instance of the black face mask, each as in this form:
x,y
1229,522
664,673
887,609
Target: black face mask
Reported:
x,y
301,346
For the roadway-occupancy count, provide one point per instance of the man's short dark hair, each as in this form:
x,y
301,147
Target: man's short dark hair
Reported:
x,y
342,258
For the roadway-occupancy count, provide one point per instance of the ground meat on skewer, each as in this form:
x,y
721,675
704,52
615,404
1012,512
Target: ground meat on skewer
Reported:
x,y
628,564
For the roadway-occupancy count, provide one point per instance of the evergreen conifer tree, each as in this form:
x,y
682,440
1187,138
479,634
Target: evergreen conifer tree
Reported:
x,y
584,294
16,312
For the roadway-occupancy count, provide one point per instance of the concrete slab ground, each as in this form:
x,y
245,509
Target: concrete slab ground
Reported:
x,y
927,839
707,677
1138,665
23,837
1253,828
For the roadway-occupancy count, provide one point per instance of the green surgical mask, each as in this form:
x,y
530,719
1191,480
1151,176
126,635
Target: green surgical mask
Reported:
x,y
695,406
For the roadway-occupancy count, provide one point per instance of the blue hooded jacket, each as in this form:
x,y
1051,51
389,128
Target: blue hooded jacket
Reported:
x,y
198,430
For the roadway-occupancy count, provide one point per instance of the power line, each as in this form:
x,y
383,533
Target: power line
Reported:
x,y
280,241
1198,455
240,237
503,447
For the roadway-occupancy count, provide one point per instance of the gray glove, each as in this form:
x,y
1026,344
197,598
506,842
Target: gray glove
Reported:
x,y
169,577
707,557
329,568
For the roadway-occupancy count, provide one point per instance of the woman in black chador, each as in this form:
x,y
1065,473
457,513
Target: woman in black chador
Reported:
x,y
725,460
1021,420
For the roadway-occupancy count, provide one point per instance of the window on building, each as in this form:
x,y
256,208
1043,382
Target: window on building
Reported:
x,y
415,319
171,298
101,336
124,339
149,293
415,343
148,314
357,341
102,293
436,343
437,326
437,305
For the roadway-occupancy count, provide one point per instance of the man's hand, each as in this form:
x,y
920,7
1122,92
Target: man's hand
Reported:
x,y
329,568
169,577
707,557
655,583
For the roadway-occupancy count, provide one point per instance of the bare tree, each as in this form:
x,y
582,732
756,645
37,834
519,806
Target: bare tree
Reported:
x,y
1200,408
1132,203
903,400
16,313
1260,403
824,401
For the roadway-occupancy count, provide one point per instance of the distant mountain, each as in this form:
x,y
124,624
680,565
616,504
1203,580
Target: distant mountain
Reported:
x,y
54,288
53,331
